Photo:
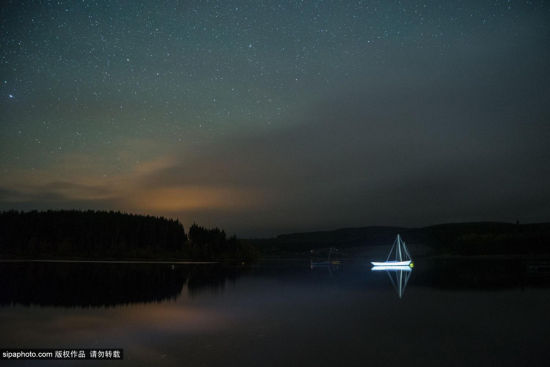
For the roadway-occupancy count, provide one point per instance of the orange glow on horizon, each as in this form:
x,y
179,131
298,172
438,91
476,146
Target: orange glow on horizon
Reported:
x,y
191,198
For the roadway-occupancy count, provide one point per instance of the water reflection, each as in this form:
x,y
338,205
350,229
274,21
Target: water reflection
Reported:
x,y
399,276
284,312
483,273
112,284
332,263
332,267
106,284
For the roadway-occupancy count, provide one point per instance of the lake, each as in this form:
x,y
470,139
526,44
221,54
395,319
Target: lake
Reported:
x,y
445,312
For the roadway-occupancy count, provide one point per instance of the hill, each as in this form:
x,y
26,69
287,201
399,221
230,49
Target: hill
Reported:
x,y
477,238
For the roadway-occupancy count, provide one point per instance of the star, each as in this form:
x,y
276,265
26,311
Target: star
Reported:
x,y
274,77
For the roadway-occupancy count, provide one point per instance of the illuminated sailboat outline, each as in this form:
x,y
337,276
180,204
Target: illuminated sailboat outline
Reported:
x,y
402,256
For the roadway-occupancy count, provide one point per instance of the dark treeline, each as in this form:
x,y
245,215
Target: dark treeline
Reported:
x,y
112,235
211,243
491,238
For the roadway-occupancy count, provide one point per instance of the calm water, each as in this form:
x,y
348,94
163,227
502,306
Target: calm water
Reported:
x,y
449,313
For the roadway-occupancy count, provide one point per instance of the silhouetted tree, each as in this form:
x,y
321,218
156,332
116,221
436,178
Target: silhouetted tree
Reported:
x,y
102,234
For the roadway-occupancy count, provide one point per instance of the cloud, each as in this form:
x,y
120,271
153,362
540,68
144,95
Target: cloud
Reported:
x,y
183,198
405,151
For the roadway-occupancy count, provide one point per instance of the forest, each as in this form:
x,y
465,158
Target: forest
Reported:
x,y
73,234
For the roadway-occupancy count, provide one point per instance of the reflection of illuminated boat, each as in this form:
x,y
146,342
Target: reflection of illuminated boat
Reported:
x,y
401,257
399,276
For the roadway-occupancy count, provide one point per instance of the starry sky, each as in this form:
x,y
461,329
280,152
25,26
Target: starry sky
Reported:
x,y
264,117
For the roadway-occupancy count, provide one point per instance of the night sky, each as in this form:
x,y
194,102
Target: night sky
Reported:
x,y
263,117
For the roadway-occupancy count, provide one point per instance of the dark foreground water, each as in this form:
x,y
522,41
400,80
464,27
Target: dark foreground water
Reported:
x,y
445,312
